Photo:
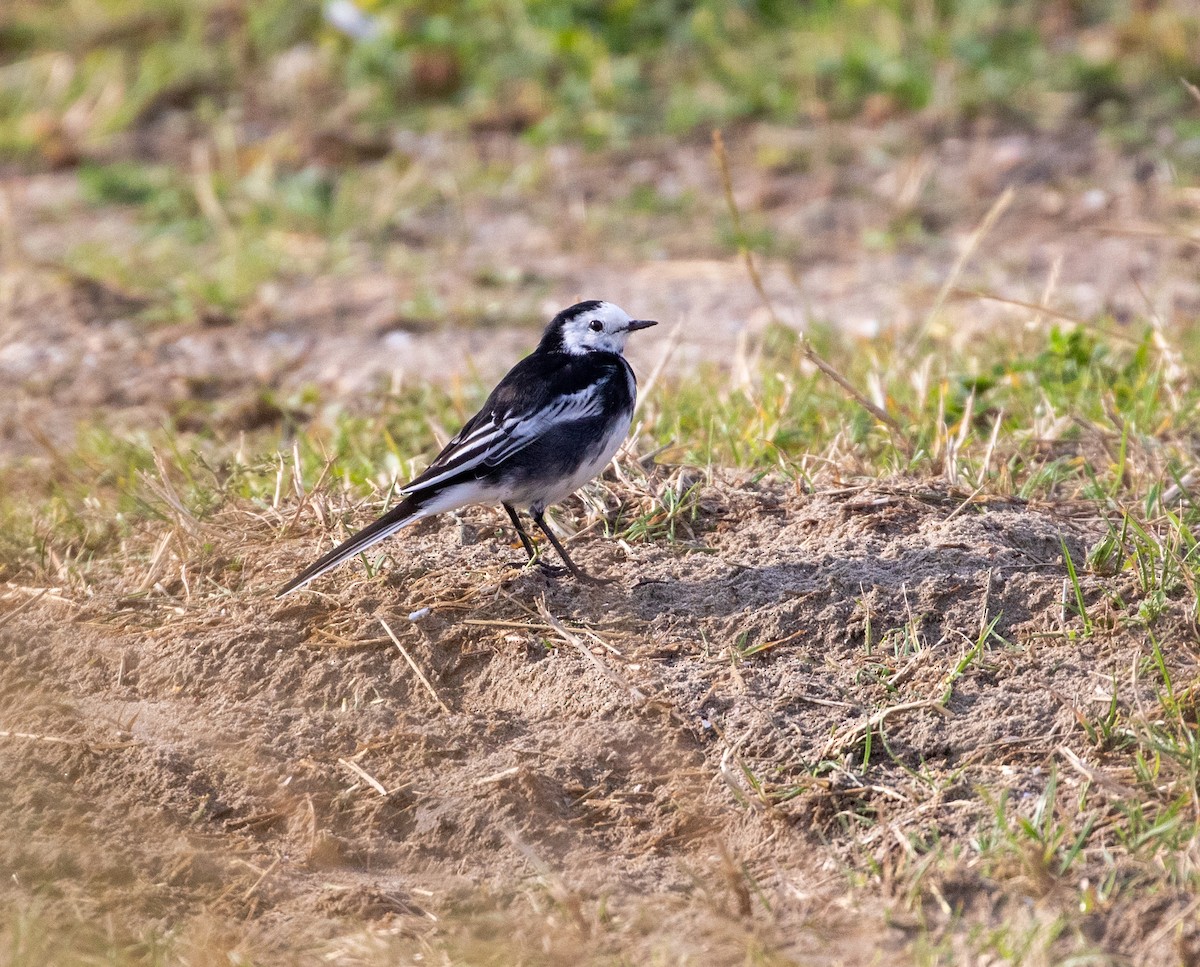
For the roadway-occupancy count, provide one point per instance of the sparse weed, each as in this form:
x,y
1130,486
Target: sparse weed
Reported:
x,y
973,655
667,516
1076,590
1044,841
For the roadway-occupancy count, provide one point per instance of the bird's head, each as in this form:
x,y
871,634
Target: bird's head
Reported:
x,y
590,327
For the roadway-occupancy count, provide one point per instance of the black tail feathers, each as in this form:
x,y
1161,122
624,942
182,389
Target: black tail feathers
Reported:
x,y
404,513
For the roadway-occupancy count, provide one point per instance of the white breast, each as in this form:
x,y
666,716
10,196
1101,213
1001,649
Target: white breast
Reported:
x,y
594,463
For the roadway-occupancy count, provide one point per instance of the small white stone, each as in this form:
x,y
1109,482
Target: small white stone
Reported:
x,y
344,15
1095,200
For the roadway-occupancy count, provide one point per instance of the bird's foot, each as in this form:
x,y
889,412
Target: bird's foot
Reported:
x,y
549,570
586,578
554,571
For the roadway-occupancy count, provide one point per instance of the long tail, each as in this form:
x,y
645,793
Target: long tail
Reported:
x,y
404,513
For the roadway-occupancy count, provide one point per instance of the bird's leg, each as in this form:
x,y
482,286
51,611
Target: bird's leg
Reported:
x,y
525,541
576,571
530,547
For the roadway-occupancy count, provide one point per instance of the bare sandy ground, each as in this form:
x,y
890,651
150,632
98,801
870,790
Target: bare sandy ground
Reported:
x,y
672,765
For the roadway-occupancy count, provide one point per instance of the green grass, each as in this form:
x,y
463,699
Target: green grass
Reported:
x,y
1066,415
207,243
600,73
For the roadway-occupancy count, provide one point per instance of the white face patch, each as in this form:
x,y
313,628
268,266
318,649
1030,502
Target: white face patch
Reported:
x,y
602,329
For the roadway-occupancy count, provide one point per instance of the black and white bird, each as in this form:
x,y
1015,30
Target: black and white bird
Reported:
x,y
551,425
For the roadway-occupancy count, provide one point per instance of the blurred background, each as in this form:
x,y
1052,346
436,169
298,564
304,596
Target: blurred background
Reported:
x,y
317,197
230,217
83,76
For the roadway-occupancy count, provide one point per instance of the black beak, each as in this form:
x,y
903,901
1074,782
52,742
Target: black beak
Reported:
x,y
637,324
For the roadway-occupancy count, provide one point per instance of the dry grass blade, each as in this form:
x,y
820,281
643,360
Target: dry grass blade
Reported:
x,y
165,491
806,347
156,563
577,643
52,595
415,667
842,742
1181,489
1097,778
977,236
735,780
61,740
567,898
1149,233
365,776
1171,925
495,623
8,261
1044,310
56,739
204,190
24,606
305,497
672,344
498,776
261,879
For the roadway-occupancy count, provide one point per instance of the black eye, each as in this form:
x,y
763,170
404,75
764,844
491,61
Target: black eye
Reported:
x,y
596,325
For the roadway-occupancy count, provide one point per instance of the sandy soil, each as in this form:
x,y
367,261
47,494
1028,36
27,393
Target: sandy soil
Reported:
x,y
582,765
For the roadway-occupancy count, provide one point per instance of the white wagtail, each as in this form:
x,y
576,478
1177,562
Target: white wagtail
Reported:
x,y
549,427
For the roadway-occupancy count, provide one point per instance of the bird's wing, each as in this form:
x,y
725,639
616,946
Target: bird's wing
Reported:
x,y
520,410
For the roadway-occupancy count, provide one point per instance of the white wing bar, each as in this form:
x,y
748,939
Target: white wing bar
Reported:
x,y
492,442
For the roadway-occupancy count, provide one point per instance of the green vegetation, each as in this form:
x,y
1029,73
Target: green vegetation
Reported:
x,y
601,72
1066,415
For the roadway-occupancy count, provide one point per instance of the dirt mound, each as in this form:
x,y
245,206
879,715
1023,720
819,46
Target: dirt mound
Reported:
x,y
671,762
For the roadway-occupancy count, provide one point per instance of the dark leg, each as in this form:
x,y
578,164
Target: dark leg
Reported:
x,y
527,542
562,551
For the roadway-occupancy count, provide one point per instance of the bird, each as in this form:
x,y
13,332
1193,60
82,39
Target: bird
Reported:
x,y
551,424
